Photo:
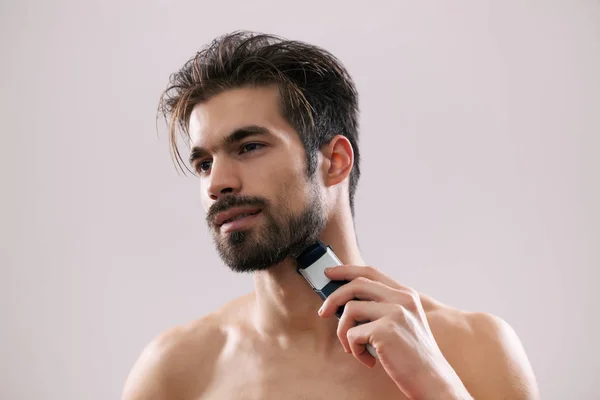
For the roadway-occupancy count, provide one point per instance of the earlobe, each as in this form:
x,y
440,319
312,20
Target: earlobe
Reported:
x,y
340,157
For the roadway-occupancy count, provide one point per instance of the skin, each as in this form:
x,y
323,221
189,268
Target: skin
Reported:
x,y
273,344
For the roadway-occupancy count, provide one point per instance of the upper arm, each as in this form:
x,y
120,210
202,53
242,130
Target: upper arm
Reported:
x,y
148,379
495,363
176,364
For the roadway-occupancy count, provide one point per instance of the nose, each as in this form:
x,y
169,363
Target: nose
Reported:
x,y
223,180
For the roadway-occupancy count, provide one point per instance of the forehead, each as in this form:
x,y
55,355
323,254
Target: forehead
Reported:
x,y
225,112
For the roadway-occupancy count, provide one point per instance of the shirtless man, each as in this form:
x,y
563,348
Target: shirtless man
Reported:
x,y
272,128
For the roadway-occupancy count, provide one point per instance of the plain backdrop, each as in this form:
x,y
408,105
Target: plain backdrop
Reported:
x,y
480,124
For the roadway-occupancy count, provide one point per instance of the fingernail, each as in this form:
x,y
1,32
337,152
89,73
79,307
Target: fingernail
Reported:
x,y
320,310
328,269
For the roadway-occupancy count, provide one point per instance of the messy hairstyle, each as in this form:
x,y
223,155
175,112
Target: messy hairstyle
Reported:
x,y
319,98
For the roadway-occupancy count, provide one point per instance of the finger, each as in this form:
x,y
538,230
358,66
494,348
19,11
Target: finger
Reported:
x,y
360,288
358,337
356,312
350,272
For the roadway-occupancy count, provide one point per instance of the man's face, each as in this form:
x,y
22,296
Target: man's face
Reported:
x,y
261,206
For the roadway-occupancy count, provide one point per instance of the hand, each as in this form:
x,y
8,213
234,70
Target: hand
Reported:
x,y
398,330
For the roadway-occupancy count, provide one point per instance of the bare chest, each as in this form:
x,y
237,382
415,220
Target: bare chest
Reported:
x,y
302,390
298,380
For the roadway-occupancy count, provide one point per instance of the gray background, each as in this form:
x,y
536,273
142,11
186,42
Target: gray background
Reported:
x,y
480,124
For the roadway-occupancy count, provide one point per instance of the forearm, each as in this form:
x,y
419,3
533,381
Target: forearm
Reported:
x,y
437,386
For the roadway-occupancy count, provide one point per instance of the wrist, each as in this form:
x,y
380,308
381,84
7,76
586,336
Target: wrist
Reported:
x,y
456,392
446,386
450,389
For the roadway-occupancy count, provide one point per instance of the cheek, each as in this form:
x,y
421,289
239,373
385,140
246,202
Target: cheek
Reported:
x,y
273,177
204,198
294,191
282,179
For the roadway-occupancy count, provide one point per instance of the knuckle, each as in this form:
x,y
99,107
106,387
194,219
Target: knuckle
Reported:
x,y
390,323
362,279
351,335
398,314
415,295
411,300
350,307
411,306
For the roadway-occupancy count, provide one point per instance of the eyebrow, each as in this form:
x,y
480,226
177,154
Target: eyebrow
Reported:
x,y
235,137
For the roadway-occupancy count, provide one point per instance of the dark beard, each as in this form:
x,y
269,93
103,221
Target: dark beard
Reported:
x,y
261,248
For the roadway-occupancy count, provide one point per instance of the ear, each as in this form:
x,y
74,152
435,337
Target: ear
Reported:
x,y
338,160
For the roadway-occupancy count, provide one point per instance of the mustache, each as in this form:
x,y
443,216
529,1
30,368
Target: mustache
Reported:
x,y
232,201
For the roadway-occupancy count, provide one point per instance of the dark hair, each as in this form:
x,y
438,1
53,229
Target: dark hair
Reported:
x,y
319,98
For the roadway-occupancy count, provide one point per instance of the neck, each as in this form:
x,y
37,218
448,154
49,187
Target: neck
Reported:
x,y
286,306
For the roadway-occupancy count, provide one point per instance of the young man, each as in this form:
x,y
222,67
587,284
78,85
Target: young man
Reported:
x,y
272,128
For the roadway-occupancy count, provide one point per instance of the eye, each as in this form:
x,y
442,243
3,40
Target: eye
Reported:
x,y
251,147
203,166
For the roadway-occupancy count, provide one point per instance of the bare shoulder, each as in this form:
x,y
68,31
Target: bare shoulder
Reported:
x,y
169,366
484,350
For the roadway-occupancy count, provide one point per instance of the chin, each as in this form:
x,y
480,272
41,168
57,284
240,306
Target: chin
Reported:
x,y
264,246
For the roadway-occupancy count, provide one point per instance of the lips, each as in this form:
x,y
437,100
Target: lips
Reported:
x,y
234,213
